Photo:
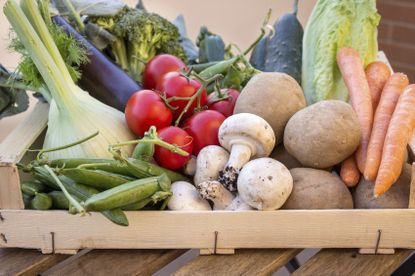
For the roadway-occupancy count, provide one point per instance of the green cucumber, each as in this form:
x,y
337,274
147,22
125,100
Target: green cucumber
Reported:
x,y
27,200
284,49
41,201
259,54
59,200
31,188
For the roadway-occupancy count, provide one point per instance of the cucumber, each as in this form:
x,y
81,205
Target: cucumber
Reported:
x,y
27,200
41,201
259,54
59,200
31,188
211,46
284,49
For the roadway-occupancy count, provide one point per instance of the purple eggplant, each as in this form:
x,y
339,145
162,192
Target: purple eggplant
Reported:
x,y
102,78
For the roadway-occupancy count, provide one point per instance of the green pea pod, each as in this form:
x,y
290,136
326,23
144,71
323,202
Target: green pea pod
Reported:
x,y
41,201
82,192
144,151
127,193
59,200
233,78
218,68
154,199
136,168
31,188
27,200
98,179
202,66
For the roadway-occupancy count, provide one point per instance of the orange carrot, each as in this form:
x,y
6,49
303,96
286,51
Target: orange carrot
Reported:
x,y
390,95
351,67
377,73
349,172
399,132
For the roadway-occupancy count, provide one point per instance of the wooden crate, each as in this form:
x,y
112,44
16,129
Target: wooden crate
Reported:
x,y
60,232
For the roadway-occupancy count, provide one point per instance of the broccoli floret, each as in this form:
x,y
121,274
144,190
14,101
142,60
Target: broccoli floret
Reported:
x,y
141,36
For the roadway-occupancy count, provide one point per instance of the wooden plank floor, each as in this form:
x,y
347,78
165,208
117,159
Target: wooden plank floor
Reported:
x,y
26,262
119,262
243,262
349,262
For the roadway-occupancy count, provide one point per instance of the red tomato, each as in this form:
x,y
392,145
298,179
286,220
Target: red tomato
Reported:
x,y
158,66
175,84
203,127
225,106
144,109
175,136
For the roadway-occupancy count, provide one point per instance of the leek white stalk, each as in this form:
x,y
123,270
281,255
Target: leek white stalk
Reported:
x,y
73,113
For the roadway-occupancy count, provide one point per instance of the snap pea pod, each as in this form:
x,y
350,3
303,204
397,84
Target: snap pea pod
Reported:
x,y
98,179
133,168
27,200
202,66
218,68
31,188
144,151
82,192
128,193
154,199
41,201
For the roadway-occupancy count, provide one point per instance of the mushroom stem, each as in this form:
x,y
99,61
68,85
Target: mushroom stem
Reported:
x,y
216,192
238,205
240,155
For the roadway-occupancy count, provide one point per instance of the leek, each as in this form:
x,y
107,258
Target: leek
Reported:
x,y
73,113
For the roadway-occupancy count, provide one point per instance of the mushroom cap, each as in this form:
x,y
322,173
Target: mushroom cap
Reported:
x,y
186,198
265,184
250,130
210,160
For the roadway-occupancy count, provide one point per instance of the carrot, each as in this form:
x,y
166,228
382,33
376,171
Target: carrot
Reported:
x,y
349,172
351,68
377,73
390,95
399,132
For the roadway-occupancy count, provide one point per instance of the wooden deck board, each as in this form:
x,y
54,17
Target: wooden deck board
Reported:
x,y
349,262
26,262
243,262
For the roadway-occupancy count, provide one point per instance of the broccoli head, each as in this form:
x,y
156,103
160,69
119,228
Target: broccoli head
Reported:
x,y
140,36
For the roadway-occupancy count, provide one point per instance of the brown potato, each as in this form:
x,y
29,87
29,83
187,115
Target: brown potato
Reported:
x,y
396,197
273,96
280,154
317,189
323,134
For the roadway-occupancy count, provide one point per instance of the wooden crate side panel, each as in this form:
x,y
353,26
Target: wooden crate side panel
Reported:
x,y
22,137
10,194
169,230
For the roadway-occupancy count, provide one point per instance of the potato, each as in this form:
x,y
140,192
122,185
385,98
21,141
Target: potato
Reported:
x,y
317,189
323,134
280,154
272,96
396,197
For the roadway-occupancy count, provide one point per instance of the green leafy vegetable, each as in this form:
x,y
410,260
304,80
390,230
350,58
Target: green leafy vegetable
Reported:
x,y
335,24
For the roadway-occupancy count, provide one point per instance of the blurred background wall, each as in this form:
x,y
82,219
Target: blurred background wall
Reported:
x,y
397,34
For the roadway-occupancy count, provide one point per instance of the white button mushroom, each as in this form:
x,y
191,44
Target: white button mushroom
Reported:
x,y
238,204
246,136
265,184
217,193
210,161
186,198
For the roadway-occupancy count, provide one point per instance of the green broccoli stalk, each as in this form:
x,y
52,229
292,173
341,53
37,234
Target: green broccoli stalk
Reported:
x,y
140,36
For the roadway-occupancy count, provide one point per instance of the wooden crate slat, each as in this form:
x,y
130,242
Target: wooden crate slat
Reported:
x,y
349,262
21,138
117,262
170,230
243,262
26,262
10,194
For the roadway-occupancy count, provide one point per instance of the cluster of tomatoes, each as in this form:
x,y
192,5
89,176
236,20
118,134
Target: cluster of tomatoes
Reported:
x,y
162,103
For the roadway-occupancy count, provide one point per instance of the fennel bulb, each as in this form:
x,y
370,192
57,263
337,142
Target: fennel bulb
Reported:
x,y
73,113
